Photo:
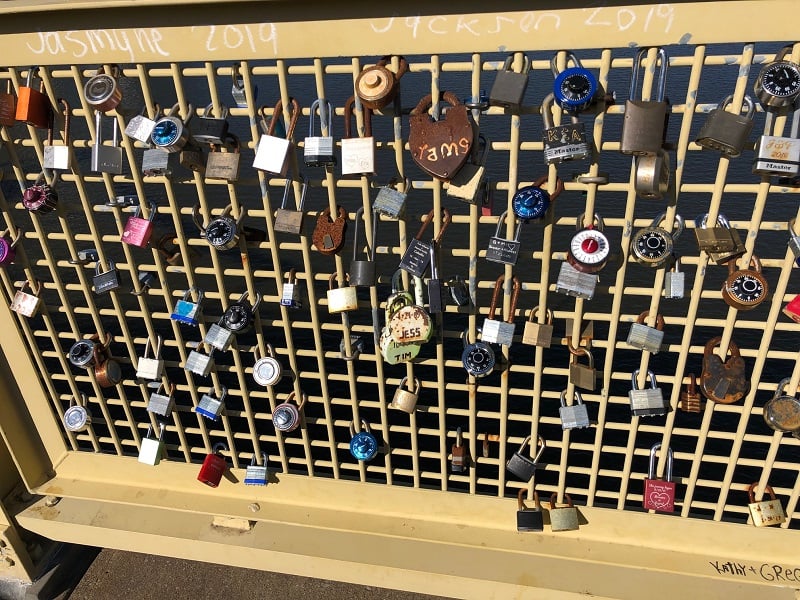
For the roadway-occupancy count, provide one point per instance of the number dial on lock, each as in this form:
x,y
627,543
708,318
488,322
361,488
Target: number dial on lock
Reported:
x,y
744,290
575,90
588,251
652,247
221,233
778,84
76,418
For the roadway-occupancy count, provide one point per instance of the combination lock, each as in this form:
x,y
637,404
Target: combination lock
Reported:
x,y
653,245
86,353
589,248
575,88
531,202
267,370
744,289
239,316
221,232
478,358
363,445
778,82
170,133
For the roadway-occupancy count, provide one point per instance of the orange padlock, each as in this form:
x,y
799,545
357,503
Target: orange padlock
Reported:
x,y
33,107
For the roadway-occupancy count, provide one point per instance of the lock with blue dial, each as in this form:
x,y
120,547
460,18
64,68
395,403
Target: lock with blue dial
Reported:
x,y
575,88
531,202
363,445
170,133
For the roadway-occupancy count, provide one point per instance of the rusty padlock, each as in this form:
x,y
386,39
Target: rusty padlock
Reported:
x,y
441,147
8,106
328,234
723,382
376,85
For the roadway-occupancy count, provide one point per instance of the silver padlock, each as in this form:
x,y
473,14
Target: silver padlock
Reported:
x,y
645,122
652,174
267,370
237,87
575,416
26,304
290,295
726,131
470,178
151,368
318,150
106,159
644,337
358,153
162,403
106,281
501,250
58,157
674,281
157,162
140,127
390,201
778,155
151,450
495,331
218,337
199,363
647,402
362,272
562,142
77,417
405,398
522,466
575,283
186,311
210,406
257,474
272,152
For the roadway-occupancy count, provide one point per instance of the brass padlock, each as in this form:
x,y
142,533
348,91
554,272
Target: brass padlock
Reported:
x,y
726,131
582,376
645,122
766,512
440,147
509,86
224,165
782,411
538,334
405,398
722,242
690,398
563,518
287,220
377,86
341,299
328,235
744,289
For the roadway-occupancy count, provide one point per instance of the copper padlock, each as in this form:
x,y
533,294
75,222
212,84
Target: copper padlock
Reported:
x,y
376,85
8,106
723,382
690,398
441,147
33,107
328,235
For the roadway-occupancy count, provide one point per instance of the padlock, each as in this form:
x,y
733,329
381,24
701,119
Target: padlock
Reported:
x,y
140,127
152,449
200,363
211,406
792,309
651,175
137,231
33,106
580,375
363,444
471,177
405,398
574,416
674,280
287,220
495,331
357,346
529,519
766,512
782,411
794,241
659,494
256,474
530,203
522,466
410,324
778,83
328,234
562,142
435,299
390,201
290,295
722,242
107,371
563,518
41,198
645,122
726,131
341,299
186,311
8,106
538,334
575,283
102,91
477,358
106,281
460,459
575,88
723,382
358,153
237,87
58,157
26,304
362,272
267,369
644,337
647,402
214,467
224,165
589,249
459,290
191,157
84,353
157,162
162,403
240,315
509,87
286,416
318,150
690,399
77,417
151,367
8,249
418,253
392,351
501,250
744,289
440,147
778,155
106,159
219,337
272,152
222,232
171,133
377,86
212,127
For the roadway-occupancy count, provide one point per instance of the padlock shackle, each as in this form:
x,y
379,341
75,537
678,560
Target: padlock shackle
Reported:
x,y
781,385
219,447
495,296
194,289
679,225
446,218
196,219
364,427
580,351
553,498
659,319
402,64
733,349
747,102
751,490
335,276
576,395
508,64
459,437
548,102
753,264
597,222
348,115
662,79
277,112
300,403
691,385
32,72
426,102
650,376
548,319
156,350
651,470
325,120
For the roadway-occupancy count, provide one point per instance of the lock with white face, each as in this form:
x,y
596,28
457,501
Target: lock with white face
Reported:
x,y
76,417
24,303
589,249
653,245
267,370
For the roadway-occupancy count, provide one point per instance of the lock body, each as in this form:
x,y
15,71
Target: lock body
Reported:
x,y
342,299
643,127
161,404
138,231
223,165
478,359
470,178
575,283
150,368
210,407
674,282
106,281
564,143
659,495
358,155
537,334
289,221
211,129
582,375
644,337
777,156
256,475
652,175
140,128
646,402
440,147
390,202
502,250
272,155
150,451
187,312
723,381
405,398
218,337
766,512
575,416
290,295
725,131
157,162
530,519
563,518
212,470
509,86
199,363
318,150
329,234
416,258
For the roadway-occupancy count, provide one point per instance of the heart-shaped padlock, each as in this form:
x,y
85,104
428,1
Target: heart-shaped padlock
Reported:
x,y
441,147
328,234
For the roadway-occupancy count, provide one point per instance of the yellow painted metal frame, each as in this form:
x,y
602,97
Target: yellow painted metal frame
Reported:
x,y
461,545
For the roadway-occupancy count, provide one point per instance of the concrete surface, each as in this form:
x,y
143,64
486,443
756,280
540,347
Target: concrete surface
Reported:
x,y
121,575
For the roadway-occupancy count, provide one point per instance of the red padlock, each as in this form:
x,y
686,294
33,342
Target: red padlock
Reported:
x,y
137,230
792,310
659,494
213,467
33,107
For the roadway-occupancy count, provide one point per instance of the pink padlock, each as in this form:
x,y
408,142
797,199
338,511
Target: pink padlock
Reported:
x,y
792,310
137,230
8,248
213,467
659,494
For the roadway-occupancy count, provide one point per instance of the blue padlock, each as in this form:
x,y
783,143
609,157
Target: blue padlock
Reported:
x,y
531,202
187,311
363,445
575,88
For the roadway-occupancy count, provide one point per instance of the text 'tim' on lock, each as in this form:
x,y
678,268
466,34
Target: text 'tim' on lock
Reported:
x,y
659,494
522,466
272,152
529,519
647,401
645,122
58,157
358,153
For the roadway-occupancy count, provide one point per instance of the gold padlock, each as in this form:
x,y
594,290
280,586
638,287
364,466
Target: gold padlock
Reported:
x,y
583,376
767,512
405,398
563,518
538,334
341,299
